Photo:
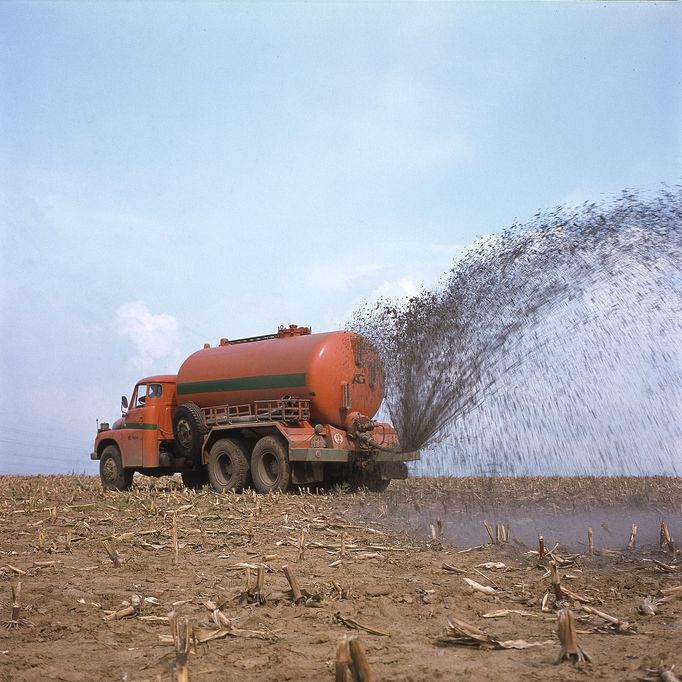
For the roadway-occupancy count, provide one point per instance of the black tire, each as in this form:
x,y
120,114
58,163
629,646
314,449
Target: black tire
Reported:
x,y
112,473
188,431
335,478
369,478
270,468
195,479
228,465
376,484
248,444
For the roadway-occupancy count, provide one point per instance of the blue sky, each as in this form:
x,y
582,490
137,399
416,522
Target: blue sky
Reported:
x,y
174,173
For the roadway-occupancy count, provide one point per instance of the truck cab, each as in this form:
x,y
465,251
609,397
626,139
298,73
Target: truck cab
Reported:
x,y
142,439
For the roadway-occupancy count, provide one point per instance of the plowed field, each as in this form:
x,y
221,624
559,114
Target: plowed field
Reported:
x,y
81,617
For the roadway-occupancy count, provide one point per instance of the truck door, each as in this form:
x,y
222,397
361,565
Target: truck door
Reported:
x,y
152,423
135,426
142,426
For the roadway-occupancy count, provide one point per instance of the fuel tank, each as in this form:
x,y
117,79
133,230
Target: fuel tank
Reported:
x,y
337,371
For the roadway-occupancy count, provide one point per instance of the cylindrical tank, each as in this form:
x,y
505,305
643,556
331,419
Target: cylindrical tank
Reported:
x,y
337,371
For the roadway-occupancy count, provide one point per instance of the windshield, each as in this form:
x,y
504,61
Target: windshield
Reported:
x,y
139,396
143,392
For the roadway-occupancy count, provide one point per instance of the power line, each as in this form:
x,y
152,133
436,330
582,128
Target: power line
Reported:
x,y
38,444
44,459
11,431
27,470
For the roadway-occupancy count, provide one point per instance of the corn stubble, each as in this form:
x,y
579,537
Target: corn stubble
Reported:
x,y
286,559
570,650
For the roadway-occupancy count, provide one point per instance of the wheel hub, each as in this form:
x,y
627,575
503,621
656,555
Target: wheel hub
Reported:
x,y
184,433
225,466
110,470
270,467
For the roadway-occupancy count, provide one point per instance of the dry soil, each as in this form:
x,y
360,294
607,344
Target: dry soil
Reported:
x,y
355,566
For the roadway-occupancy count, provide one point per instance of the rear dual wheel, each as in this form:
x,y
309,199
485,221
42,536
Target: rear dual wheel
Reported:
x,y
270,468
228,465
369,478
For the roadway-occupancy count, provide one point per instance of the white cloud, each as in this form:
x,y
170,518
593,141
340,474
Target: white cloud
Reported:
x,y
396,290
396,270
155,337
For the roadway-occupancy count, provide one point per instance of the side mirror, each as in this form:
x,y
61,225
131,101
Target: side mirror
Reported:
x,y
124,403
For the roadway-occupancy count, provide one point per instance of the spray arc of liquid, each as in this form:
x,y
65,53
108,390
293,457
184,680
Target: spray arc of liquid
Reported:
x,y
555,340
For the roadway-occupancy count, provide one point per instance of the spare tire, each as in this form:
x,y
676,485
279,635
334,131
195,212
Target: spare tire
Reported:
x,y
188,431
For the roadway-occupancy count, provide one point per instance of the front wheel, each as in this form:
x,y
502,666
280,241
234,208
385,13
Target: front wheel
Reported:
x,y
228,466
112,473
270,468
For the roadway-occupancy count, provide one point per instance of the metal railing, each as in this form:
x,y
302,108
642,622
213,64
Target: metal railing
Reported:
x,y
287,410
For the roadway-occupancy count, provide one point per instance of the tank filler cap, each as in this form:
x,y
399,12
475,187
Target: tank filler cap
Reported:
x,y
357,424
292,330
224,342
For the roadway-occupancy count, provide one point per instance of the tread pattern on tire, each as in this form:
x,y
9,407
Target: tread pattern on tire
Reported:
x,y
124,478
191,413
369,478
277,447
239,461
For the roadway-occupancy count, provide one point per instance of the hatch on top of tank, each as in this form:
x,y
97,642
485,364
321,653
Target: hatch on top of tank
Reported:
x,y
282,332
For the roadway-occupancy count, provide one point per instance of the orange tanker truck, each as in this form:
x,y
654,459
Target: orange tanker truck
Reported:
x,y
291,408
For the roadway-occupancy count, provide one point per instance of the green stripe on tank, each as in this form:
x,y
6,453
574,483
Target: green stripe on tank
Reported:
x,y
144,427
243,384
